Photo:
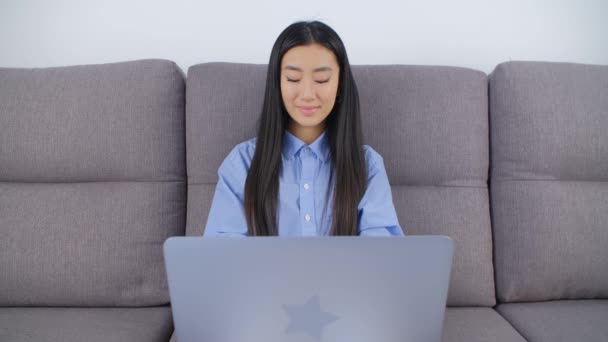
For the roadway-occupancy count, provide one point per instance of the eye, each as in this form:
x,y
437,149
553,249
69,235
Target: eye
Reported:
x,y
323,81
292,80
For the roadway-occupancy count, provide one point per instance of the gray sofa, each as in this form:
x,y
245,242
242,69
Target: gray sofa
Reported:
x,y
100,164
92,182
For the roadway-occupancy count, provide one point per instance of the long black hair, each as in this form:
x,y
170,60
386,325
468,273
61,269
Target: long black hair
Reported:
x,y
343,124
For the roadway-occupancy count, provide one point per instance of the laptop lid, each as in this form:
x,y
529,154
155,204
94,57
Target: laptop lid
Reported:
x,y
281,289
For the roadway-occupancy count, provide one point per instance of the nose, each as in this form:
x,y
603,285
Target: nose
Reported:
x,y
308,92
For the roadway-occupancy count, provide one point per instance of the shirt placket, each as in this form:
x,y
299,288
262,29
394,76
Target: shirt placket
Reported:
x,y
307,204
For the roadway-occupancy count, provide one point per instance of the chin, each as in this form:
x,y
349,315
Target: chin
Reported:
x,y
308,123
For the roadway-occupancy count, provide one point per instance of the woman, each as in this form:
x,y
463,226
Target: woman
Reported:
x,y
307,173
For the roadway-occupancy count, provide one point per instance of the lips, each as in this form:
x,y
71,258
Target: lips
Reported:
x,y
308,110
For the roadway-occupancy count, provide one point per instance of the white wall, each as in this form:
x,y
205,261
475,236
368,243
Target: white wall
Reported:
x,y
470,33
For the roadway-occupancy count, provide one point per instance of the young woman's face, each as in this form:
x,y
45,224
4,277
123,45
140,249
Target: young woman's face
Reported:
x,y
309,84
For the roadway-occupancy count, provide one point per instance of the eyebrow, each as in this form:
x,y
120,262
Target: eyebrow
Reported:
x,y
295,68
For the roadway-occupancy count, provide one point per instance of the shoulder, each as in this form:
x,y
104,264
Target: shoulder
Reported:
x,y
240,156
374,159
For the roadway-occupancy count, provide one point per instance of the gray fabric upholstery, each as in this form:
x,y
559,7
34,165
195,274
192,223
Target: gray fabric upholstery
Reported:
x,y
152,324
87,244
92,181
429,123
549,176
559,321
477,325
108,122
472,325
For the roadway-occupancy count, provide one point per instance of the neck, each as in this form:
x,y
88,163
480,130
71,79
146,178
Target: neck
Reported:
x,y
306,134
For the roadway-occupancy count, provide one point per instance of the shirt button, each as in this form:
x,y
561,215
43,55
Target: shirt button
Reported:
x,y
307,217
307,149
306,186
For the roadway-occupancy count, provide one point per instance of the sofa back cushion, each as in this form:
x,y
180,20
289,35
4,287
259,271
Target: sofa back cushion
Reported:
x,y
549,189
430,124
92,181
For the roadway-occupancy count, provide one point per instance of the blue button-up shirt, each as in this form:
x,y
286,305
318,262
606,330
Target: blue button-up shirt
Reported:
x,y
303,185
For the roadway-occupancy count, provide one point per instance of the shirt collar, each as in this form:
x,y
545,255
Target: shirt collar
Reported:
x,y
292,145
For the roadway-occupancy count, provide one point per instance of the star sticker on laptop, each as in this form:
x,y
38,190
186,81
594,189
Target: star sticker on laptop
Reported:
x,y
308,318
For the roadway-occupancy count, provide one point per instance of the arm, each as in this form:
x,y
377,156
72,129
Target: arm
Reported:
x,y
377,215
227,213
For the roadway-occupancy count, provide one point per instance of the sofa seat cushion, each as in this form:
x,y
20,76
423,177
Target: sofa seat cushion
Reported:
x,y
18,324
474,324
555,321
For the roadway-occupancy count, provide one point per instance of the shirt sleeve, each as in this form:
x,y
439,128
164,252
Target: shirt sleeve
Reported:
x,y
227,213
377,215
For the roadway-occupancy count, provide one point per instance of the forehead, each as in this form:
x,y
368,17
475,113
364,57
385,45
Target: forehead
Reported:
x,y
308,57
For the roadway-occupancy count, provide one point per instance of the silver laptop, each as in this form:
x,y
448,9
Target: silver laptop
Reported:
x,y
308,289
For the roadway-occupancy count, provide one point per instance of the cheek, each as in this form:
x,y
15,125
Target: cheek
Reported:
x,y
287,93
329,95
